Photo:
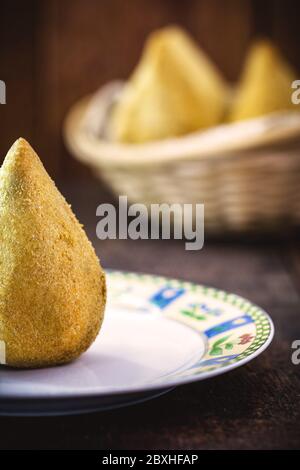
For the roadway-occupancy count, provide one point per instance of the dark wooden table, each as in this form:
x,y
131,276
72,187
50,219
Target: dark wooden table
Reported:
x,y
256,406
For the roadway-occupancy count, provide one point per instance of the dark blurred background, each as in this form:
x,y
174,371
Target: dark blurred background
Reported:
x,y
53,52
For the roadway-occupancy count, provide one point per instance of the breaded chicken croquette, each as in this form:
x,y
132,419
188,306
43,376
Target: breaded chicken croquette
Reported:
x,y
52,287
175,89
265,85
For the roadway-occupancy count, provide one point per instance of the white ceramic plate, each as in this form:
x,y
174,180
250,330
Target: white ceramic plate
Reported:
x,y
158,333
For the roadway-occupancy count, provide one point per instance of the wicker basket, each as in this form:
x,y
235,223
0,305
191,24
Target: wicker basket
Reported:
x,y
247,174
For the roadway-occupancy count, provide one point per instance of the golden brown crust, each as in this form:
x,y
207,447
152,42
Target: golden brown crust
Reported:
x,y
175,89
52,287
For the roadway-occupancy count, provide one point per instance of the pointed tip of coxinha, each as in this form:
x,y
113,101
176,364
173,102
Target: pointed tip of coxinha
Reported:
x,y
22,164
20,152
21,146
53,293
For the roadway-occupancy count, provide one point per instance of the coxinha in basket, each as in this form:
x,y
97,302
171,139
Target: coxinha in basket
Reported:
x,y
52,288
176,89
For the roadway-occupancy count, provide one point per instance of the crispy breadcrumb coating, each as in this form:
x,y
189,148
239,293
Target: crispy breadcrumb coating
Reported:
x,y
52,287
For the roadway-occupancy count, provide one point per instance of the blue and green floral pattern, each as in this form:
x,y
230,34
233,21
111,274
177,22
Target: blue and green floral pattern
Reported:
x,y
233,329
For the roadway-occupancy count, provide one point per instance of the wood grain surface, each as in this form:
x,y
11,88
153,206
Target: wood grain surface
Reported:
x,y
254,407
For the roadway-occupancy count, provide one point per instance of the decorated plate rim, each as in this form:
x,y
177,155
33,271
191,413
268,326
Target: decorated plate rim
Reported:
x,y
258,346
168,381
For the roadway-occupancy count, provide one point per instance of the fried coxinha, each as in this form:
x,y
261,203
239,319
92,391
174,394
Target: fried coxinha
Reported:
x,y
52,287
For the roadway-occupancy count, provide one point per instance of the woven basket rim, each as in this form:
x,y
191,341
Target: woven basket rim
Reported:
x,y
220,142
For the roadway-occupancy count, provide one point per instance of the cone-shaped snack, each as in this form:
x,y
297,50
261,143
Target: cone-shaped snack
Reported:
x,y
52,287
174,90
265,85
